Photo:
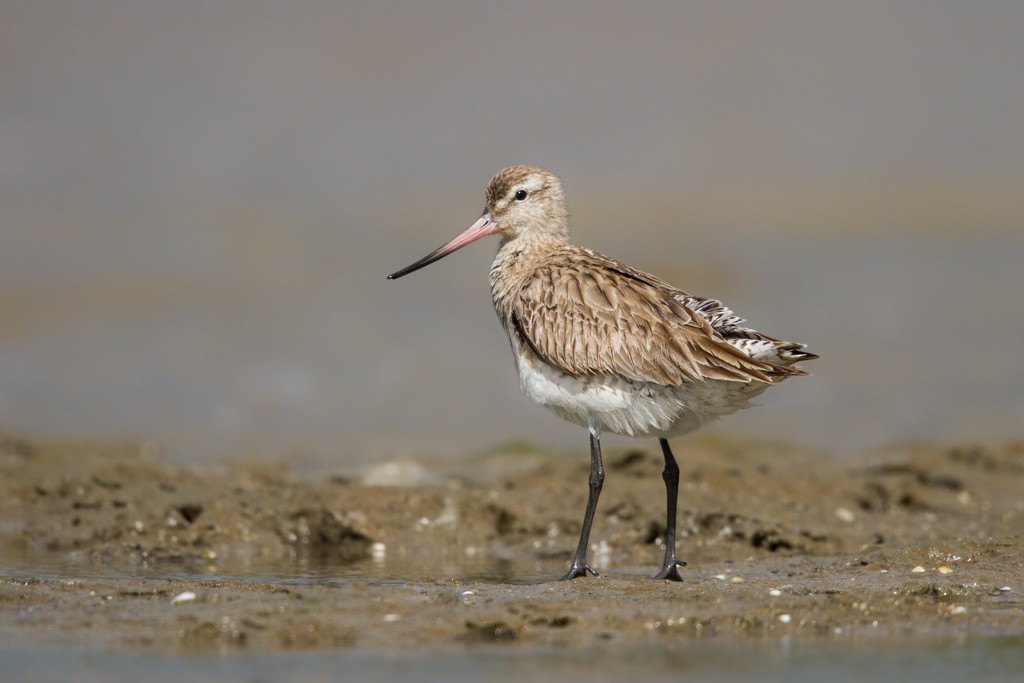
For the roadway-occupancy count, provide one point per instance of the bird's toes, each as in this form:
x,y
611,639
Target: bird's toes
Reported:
x,y
579,570
670,572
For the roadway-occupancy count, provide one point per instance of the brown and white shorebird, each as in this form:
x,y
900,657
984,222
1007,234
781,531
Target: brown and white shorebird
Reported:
x,y
610,347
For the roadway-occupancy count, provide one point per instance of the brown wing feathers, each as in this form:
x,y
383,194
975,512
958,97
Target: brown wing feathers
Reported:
x,y
589,315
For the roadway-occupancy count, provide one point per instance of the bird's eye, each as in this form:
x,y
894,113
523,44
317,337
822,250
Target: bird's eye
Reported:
x,y
520,195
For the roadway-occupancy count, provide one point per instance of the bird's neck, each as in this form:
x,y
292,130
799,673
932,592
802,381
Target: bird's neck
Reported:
x,y
518,258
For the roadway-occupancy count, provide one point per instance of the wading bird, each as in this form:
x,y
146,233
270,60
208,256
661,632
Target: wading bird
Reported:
x,y
610,347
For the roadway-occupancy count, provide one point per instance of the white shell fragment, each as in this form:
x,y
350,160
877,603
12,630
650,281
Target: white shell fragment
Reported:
x,y
187,596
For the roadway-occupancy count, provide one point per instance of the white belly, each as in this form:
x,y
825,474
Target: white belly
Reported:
x,y
620,406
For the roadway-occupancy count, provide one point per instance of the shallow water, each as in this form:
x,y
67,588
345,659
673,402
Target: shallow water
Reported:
x,y
966,659
914,339
199,213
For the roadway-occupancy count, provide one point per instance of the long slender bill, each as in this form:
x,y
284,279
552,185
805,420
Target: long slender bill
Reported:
x,y
483,227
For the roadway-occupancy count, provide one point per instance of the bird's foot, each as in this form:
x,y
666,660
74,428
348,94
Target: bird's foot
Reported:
x,y
577,570
670,572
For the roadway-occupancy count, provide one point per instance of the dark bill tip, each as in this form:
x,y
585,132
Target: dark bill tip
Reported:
x,y
481,228
425,261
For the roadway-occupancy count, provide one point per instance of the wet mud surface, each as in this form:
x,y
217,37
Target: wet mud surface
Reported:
x,y
112,546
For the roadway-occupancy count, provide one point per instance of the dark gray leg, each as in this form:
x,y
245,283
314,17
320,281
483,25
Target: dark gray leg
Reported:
x,y
579,562
670,568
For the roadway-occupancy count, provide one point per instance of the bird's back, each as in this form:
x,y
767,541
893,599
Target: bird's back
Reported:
x,y
589,315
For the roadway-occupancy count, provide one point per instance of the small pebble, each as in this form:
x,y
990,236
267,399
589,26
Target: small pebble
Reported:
x,y
945,570
187,596
1005,589
737,579
959,609
721,577
845,514
918,569
402,473
392,617
785,618
775,592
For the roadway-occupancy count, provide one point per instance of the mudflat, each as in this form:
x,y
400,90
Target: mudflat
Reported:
x,y
111,545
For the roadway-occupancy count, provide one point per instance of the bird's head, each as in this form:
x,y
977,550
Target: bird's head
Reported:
x,y
522,202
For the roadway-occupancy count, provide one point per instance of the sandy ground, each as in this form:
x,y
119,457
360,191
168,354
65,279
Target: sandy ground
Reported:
x,y
99,542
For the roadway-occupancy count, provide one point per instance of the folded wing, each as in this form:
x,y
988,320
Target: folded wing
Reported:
x,y
589,315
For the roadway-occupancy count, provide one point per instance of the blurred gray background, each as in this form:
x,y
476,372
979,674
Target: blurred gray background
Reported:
x,y
200,201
